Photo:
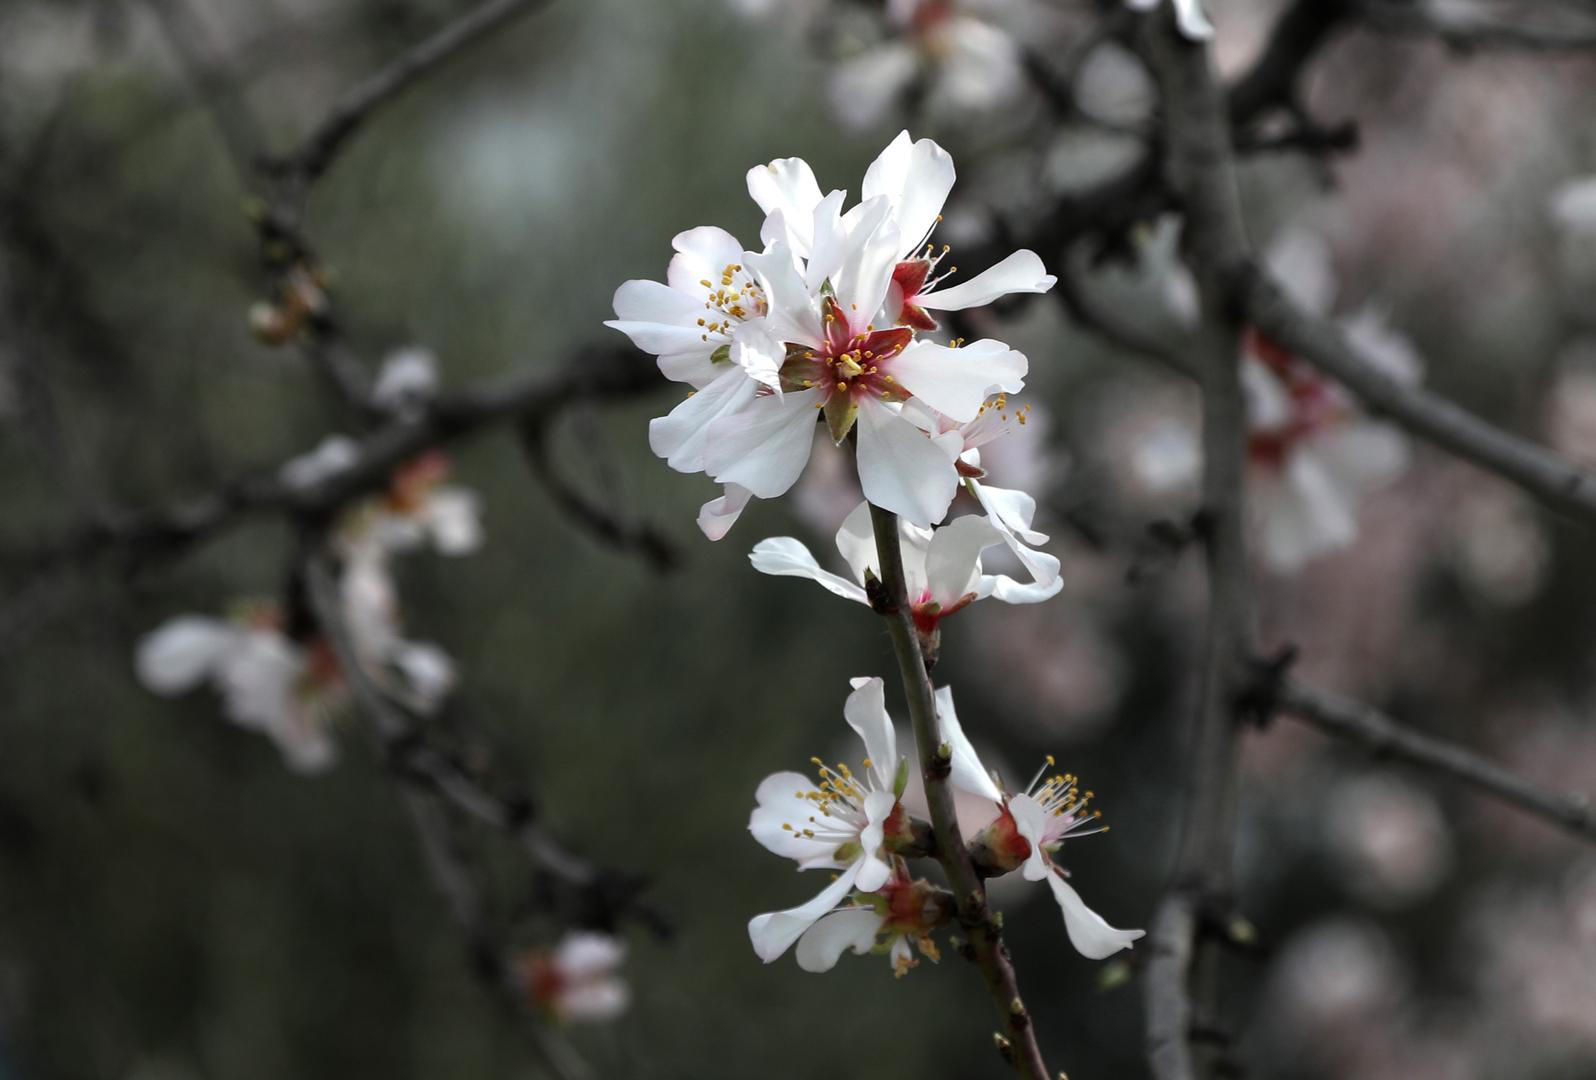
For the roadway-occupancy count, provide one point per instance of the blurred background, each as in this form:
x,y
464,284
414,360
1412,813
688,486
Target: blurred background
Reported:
x,y
175,904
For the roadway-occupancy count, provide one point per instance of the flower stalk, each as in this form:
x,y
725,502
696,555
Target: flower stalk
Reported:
x,y
889,599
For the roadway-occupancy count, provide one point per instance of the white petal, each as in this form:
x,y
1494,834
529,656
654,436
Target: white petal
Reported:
x,y
780,803
408,377
774,933
1300,260
953,559
1392,352
335,454
856,540
823,944
1021,272
866,712
1302,512
586,954
1011,513
783,556
864,273
257,678
760,353
1363,455
788,185
1191,20
716,517
968,772
903,470
593,1002
658,318
957,382
454,517
765,446
873,869
793,314
702,254
1030,821
1269,406
683,437
428,669
916,177
1092,937
182,653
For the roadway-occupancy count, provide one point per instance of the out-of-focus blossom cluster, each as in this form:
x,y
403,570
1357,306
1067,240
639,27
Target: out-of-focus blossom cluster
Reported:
x,y
271,662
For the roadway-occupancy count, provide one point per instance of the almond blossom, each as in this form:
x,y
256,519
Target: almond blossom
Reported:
x,y
972,66
942,567
844,823
577,980
1313,454
290,687
1029,832
418,507
897,920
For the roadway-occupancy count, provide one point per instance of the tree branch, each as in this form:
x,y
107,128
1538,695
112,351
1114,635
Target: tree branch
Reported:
x,y
312,157
1200,171
1363,724
890,600
530,400
1538,471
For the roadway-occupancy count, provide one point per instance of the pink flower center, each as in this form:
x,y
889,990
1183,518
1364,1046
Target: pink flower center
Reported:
x,y
848,361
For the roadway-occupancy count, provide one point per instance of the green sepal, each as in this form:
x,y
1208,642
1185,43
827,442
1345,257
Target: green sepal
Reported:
x,y
901,781
721,355
841,412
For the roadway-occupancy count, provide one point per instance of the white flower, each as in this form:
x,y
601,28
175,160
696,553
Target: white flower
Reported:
x,y
807,325
971,65
1030,830
915,177
417,508
408,380
293,691
269,683
901,914
843,824
1189,16
1312,454
942,567
577,981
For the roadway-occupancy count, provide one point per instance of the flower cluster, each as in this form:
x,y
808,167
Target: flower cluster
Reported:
x,y
833,324
1312,454
275,670
576,981
832,316
857,823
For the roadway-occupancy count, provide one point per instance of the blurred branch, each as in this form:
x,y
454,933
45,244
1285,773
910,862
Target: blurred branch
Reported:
x,y
531,400
889,598
312,157
1539,26
594,516
1363,724
1182,975
1538,471
412,760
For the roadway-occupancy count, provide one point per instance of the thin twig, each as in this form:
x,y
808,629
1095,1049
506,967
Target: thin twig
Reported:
x,y
312,157
890,600
1364,724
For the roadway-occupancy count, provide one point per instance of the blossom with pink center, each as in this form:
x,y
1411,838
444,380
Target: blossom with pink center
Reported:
x,y
576,981
843,823
942,566
897,920
1029,832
